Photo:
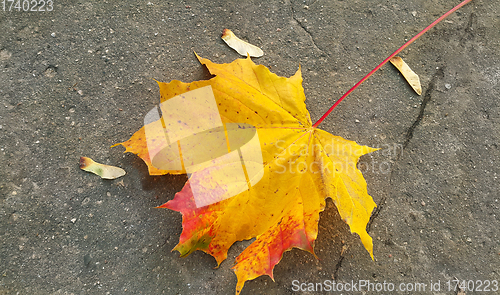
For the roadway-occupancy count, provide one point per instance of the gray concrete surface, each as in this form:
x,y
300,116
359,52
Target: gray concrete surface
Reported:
x,y
80,78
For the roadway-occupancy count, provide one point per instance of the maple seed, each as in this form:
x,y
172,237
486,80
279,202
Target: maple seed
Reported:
x,y
242,47
104,171
409,75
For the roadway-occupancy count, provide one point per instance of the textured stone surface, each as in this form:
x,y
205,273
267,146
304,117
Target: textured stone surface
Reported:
x,y
80,78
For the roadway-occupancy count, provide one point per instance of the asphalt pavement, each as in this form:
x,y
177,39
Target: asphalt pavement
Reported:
x,y
79,78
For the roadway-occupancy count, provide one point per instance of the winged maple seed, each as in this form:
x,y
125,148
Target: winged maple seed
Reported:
x,y
104,171
407,73
258,167
242,47
284,190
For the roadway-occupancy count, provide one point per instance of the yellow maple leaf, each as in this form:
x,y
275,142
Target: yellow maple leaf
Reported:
x,y
301,166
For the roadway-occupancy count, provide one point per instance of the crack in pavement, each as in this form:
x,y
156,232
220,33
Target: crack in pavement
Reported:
x,y
337,267
306,30
409,135
427,98
381,203
469,29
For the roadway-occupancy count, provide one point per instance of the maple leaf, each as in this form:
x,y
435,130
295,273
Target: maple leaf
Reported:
x,y
280,202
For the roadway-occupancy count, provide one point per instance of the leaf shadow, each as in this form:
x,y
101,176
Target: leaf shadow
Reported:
x,y
164,187
202,73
